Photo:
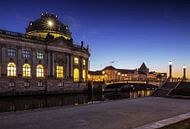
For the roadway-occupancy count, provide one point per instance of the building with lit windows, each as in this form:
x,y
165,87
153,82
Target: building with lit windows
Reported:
x,y
112,74
43,60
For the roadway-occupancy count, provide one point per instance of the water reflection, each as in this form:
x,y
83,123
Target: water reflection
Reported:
x,y
8,104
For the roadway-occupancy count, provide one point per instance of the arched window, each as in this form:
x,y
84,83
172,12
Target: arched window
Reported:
x,y
40,71
26,70
76,74
11,69
84,74
59,71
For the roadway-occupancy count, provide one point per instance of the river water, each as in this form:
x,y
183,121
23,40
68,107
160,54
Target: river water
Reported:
x,y
18,103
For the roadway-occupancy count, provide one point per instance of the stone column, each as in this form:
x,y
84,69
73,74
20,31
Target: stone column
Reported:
x,y
67,66
71,66
49,63
4,62
45,62
87,68
19,61
53,64
34,63
80,68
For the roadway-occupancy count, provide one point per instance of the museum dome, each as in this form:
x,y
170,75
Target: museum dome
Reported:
x,y
48,24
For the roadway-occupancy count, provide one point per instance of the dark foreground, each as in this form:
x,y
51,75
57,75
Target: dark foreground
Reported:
x,y
118,114
181,125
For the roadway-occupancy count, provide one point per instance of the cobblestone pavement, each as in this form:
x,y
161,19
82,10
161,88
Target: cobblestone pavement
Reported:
x,y
118,114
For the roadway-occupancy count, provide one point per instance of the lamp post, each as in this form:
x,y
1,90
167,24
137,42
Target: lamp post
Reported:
x,y
170,71
184,72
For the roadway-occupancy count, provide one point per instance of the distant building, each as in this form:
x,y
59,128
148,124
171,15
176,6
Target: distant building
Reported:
x,y
111,73
44,59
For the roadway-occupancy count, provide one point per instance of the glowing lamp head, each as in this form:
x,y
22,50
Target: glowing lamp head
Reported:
x,y
50,23
184,67
170,63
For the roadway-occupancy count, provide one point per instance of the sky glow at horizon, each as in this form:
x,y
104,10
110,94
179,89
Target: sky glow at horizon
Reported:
x,y
122,33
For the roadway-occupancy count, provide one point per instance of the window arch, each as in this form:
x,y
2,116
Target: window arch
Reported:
x,y
11,69
84,74
39,71
76,74
26,70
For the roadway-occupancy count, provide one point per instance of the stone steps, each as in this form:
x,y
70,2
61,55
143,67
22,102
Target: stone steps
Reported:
x,y
161,92
165,89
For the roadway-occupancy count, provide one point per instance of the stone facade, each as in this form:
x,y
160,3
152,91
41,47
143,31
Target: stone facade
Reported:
x,y
58,51
112,74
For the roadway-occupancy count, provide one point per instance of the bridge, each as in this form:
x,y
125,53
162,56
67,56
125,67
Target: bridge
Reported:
x,y
155,83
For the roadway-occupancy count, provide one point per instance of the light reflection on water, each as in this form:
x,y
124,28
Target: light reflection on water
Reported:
x,y
8,104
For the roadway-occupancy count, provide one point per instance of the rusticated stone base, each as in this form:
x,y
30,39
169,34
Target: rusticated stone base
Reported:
x,y
20,86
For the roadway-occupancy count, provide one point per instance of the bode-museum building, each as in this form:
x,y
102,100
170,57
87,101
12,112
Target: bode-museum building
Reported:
x,y
43,60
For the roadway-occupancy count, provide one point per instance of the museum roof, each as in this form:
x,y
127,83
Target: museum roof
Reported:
x,y
127,71
34,39
143,67
48,22
95,72
109,68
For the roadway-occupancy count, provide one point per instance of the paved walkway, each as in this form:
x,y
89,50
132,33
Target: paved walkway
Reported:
x,y
119,114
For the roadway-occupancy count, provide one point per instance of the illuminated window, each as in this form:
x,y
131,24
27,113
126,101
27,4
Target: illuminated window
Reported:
x,y
76,60
84,62
40,55
84,74
26,53
11,52
59,71
76,74
40,71
26,70
11,69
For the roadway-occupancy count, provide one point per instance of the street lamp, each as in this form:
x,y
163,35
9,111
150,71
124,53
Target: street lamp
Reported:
x,y
170,70
184,72
170,63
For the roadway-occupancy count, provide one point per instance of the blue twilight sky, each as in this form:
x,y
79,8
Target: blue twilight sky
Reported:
x,y
122,33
